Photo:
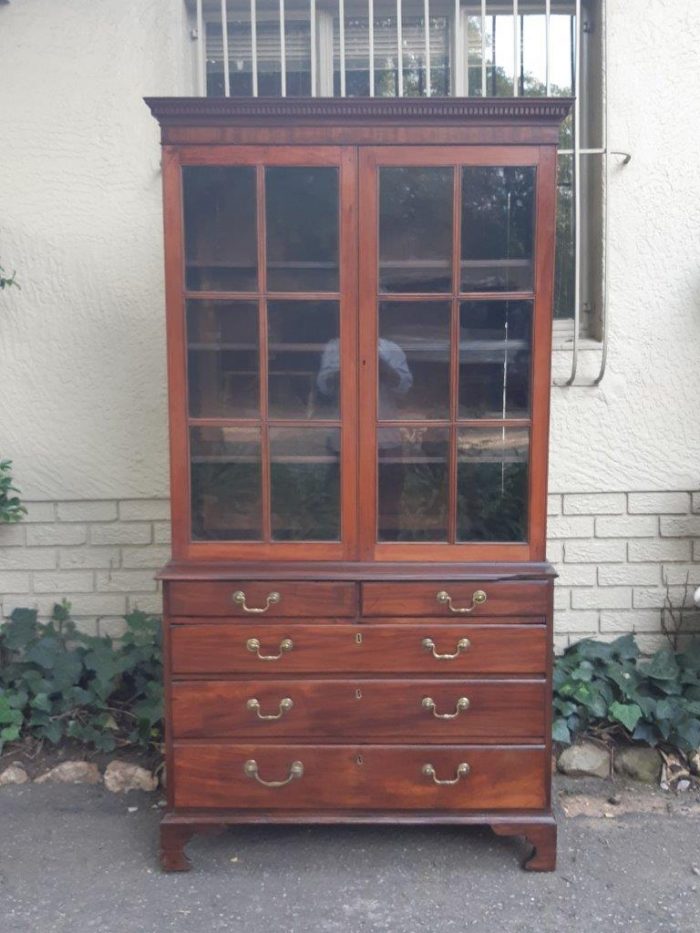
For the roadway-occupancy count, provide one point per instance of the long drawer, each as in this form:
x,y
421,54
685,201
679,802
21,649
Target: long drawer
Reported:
x,y
432,710
262,599
211,648
450,600
304,777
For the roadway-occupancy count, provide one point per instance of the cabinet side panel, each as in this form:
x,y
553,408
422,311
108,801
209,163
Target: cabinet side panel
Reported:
x,y
545,220
177,365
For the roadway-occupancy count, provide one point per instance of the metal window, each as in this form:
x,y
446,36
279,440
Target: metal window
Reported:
x,y
441,47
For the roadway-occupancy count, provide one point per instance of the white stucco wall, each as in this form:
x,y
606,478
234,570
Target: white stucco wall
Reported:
x,y
82,380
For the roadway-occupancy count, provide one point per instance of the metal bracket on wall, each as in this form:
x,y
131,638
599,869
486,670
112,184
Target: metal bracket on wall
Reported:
x,y
625,159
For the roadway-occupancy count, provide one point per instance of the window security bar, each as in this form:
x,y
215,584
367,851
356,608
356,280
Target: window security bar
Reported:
x,y
323,61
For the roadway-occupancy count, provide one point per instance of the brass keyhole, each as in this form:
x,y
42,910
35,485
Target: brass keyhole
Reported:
x,y
358,694
359,760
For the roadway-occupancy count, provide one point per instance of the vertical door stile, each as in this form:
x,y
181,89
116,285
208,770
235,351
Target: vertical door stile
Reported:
x,y
368,220
349,329
454,358
263,339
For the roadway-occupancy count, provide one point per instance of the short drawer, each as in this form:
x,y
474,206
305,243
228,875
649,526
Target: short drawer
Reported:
x,y
457,600
280,649
359,777
432,710
262,599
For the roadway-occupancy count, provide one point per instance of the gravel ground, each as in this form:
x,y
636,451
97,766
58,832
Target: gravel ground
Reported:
x,y
74,858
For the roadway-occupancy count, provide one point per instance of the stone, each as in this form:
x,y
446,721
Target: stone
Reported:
x,y
14,774
71,772
586,759
122,776
639,763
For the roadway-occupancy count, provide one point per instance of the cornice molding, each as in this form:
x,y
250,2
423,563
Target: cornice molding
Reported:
x,y
310,111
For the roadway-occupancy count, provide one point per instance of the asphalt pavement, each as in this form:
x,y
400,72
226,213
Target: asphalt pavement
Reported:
x,y
79,859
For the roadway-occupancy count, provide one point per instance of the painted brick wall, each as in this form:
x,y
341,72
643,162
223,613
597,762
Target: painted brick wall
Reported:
x,y
618,556
615,553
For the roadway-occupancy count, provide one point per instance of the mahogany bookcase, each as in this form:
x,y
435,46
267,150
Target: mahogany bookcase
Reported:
x,y
358,610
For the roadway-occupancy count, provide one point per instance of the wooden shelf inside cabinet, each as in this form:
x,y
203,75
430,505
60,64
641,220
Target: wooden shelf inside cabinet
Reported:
x,y
358,612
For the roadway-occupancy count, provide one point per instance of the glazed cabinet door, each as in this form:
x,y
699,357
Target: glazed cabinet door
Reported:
x,y
455,289
263,327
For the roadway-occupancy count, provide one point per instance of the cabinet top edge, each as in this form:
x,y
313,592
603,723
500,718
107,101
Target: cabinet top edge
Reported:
x,y
356,571
311,111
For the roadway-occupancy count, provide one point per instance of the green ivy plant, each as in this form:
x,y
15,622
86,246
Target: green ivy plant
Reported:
x,y
599,687
57,682
11,508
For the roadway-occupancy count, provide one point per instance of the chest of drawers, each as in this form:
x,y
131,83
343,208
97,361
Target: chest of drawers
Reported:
x,y
358,700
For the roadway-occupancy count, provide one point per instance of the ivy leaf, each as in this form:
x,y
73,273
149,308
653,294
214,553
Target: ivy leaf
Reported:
x,y
41,702
646,732
583,672
663,666
594,650
21,629
9,734
52,730
560,731
625,648
628,714
688,731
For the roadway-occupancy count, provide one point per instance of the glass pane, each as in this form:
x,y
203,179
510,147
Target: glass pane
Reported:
x,y
497,228
305,484
494,359
304,359
492,480
415,229
220,228
302,229
413,479
414,360
226,484
222,359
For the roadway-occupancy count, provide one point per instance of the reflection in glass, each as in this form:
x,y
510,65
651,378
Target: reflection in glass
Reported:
x,y
414,360
497,228
415,229
413,478
492,481
226,484
302,229
304,359
220,228
305,484
222,359
494,359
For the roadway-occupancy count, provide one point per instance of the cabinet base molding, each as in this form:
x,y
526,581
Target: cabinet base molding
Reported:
x,y
178,827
